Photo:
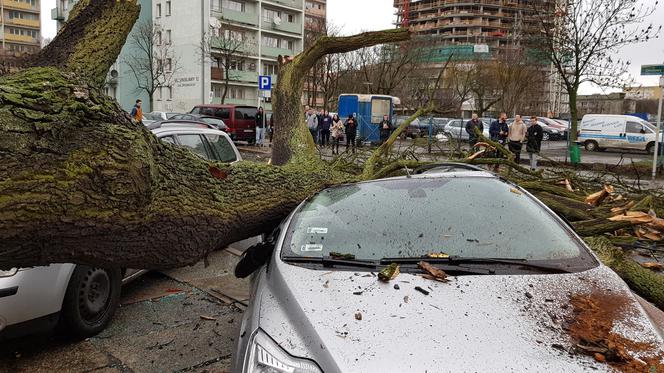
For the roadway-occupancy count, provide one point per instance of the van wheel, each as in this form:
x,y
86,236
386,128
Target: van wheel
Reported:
x,y
651,148
91,299
591,146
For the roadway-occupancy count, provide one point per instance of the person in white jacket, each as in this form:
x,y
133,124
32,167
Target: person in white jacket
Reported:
x,y
516,136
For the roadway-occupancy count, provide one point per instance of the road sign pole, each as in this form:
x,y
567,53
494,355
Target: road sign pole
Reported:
x,y
659,125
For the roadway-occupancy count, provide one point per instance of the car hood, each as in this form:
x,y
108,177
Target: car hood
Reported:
x,y
351,322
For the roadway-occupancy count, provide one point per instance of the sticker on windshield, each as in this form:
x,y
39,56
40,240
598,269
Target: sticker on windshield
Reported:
x,y
311,247
317,230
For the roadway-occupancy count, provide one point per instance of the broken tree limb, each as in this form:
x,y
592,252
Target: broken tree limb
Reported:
x,y
644,282
398,165
595,227
571,209
292,140
549,188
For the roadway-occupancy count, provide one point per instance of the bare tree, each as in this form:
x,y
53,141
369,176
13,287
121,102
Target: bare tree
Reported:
x,y
581,39
153,61
225,47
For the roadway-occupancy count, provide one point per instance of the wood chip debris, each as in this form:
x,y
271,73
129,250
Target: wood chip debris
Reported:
x,y
208,318
433,273
389,273
653,265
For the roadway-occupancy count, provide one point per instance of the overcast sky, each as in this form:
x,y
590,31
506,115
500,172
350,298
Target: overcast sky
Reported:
x,y
353,16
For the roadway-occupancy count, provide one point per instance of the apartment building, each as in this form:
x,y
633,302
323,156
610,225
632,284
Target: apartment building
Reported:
x,y
470,30
61,11
19,27
315,26
266,28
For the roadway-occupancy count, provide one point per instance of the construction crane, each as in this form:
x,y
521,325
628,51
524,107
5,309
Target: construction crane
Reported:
x,y
403,12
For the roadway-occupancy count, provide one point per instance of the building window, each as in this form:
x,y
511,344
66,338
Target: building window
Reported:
x,y
233,5
291,18
159,39
269,41
291,45
158,10
270,15
168,37
169,93
169,64
168,8
270,69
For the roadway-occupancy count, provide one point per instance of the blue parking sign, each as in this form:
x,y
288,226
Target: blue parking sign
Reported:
x,y
264,82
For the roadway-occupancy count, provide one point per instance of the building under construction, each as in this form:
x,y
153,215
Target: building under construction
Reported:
x,y
471,30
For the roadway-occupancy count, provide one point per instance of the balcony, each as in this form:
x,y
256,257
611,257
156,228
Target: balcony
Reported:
x,y
19,5
284,26
275,52
57,14
249,18
20,38
297,4
32,23
217,74
242,101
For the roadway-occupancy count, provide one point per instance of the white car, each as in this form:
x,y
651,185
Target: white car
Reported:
x,y
81,298
456,129
599,132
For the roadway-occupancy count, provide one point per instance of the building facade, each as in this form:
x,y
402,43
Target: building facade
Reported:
x,y
612,103
266,29
20,27
315,26
475,30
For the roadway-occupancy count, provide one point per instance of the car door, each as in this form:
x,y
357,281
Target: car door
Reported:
x,y
196,144
635,135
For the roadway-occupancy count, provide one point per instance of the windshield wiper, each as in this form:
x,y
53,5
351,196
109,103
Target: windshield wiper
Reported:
x,y
455,260
327,261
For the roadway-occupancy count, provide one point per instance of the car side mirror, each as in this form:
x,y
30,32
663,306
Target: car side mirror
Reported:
x,y
254,258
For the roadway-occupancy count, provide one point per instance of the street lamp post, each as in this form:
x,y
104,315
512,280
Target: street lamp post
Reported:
x,y
659,125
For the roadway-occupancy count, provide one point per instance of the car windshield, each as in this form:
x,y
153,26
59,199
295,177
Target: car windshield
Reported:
x,y
415,217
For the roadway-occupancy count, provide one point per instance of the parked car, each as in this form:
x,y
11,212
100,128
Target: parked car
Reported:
x,y
241,120
81,298
554,124
599,131
159,115
313,310
215,122
456,129
413,129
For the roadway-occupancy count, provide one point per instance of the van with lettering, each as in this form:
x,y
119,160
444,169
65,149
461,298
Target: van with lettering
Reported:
x,y
240,120
599,132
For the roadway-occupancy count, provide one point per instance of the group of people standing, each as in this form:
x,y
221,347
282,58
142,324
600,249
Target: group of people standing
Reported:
x,y
322,126
264,127
513,135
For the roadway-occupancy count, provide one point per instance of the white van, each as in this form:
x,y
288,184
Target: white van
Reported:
x,y
600,131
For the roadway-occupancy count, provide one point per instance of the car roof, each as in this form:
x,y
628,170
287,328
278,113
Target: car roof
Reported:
x,y
187,129
225,106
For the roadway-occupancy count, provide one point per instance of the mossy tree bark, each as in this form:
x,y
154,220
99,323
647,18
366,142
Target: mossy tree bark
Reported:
x,y
79,182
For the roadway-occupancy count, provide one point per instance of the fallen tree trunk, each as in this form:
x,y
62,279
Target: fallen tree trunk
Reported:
x,y
79,182
594,227
645,282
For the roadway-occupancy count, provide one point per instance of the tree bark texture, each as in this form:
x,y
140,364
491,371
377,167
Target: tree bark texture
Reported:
x,y
80,182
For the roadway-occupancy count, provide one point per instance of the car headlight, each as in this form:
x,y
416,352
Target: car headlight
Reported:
x,y
8,273
265,356
555,131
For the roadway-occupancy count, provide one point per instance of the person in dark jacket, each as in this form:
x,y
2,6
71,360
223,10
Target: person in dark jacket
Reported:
x,y
534,136
351,132
385,129
499,129
260,126
471,126
498,132
324,124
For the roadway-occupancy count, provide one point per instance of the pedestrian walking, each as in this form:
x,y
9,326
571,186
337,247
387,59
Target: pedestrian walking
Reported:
x,y
324,125
516,136
385,129
471,126
260,126
534,136
137,111
312,124
351,132
337,131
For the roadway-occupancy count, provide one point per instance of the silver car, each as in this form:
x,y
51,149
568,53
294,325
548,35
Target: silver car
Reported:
x,y
318,306
84,298
456,129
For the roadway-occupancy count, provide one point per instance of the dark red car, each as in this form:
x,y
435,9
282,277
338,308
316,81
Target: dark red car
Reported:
x,y
240,120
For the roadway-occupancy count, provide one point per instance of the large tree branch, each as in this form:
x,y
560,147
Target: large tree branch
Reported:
x,y
91,40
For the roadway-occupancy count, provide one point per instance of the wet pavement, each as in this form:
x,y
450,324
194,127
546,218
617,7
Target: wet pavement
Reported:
x,y
183,320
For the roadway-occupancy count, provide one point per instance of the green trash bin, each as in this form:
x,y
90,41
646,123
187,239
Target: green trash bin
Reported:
x,y
575,154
